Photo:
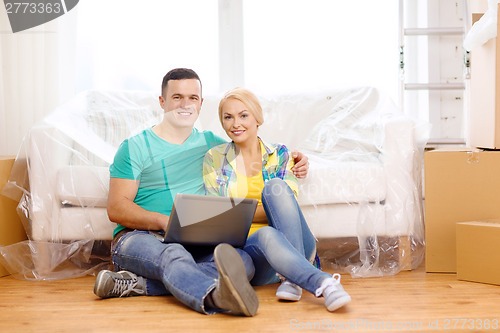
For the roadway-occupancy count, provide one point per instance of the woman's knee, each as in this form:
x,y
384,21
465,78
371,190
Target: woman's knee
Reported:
x,y
274,183
276,187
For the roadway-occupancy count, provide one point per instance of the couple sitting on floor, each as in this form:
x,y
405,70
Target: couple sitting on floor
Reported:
x,y
150,168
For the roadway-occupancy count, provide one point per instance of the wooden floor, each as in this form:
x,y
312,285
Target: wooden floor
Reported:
x,y
409,301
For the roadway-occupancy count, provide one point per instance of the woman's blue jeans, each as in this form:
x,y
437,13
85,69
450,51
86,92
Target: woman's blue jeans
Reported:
x,y
188,273
287,246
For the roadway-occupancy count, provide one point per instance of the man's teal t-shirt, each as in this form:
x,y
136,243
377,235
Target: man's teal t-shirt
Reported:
x,y
163,169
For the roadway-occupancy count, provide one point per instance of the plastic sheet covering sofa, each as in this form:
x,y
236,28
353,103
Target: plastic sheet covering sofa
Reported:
x,y
362,197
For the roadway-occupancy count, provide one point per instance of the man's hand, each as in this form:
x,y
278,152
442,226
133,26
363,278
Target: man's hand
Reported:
x,y
301,166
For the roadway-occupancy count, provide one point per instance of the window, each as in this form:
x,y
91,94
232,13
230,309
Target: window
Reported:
x,y
129,44
294,45
288,45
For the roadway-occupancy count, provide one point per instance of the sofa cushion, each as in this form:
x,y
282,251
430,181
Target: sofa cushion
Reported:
x,y
85,186
332,182
84,223
348,220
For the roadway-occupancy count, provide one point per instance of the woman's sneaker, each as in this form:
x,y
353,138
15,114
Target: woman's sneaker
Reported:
x,y
118,284
289,291
333,292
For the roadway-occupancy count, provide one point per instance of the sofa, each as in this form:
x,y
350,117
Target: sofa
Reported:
x,y
361,198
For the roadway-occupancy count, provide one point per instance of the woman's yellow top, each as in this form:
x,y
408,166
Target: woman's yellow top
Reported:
x,y
249,187
221,177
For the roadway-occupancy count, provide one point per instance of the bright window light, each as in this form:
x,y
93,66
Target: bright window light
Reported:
x,y
289,45
130,44
296,45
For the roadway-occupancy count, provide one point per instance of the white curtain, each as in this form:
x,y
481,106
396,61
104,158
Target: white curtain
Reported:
x,y
36,75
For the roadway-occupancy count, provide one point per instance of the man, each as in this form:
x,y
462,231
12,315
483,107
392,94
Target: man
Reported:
x,y
149,169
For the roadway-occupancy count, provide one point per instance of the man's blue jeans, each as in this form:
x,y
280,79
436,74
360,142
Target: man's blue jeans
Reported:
x,y
287,246
188,274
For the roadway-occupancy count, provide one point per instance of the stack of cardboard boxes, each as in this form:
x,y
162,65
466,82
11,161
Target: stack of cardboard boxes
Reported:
x,y
462,186
11,229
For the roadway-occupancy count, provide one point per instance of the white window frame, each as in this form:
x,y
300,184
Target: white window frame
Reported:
x,y
231,40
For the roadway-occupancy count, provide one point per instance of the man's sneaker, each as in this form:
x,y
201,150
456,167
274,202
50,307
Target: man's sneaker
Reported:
x,y
118,284
333,292
233,291
289,291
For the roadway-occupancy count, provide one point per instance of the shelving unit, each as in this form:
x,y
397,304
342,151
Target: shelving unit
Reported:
x,y
446,95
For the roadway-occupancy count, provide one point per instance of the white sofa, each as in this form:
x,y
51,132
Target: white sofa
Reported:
x,y
362,196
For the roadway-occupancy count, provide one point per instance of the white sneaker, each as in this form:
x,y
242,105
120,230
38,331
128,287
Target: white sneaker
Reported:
x,y
333,292
289,291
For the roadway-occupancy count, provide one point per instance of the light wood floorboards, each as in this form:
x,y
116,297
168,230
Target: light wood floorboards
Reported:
x,y
409,301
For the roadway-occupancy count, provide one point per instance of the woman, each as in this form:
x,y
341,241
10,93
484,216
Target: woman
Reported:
x,y
280,240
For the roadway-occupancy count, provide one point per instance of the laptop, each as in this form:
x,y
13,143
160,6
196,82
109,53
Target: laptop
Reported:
x,y
210,220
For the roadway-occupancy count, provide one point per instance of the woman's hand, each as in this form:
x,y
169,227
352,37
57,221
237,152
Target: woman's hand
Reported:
x,y
301,166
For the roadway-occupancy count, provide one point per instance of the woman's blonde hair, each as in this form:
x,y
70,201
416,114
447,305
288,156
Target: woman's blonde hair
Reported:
x,y
246,97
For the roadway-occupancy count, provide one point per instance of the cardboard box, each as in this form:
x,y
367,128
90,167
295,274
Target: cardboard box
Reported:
x,y
11,229
478,258
484,122
460,186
